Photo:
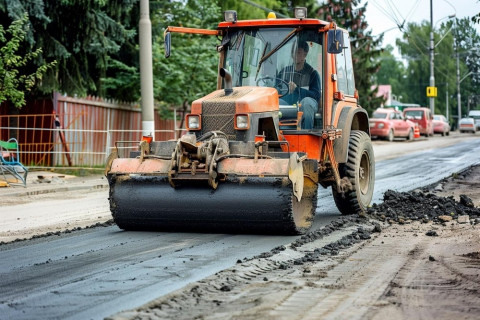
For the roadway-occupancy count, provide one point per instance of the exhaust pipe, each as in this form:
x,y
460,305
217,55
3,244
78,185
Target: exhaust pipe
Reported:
x,y
228,81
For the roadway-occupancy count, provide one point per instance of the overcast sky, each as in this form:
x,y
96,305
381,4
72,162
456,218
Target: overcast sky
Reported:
x,y
382,15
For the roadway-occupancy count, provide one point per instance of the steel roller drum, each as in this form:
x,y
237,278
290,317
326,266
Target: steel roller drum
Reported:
x,y
246,205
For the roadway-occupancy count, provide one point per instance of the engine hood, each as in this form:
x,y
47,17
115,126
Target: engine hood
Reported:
x,y
246,99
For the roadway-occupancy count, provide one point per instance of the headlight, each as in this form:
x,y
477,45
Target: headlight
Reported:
x,y
242,122
193,121
381,125
230,16
300,13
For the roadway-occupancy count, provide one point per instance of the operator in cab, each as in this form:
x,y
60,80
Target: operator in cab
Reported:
x,y
303,86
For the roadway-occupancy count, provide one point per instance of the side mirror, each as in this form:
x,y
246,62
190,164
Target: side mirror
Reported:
x,y
168,42
335,41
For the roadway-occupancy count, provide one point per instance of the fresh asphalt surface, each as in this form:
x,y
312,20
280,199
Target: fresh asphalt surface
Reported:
x,y
94,273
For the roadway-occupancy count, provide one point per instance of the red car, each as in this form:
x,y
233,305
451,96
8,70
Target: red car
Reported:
x,y
440,125
422,117
389,123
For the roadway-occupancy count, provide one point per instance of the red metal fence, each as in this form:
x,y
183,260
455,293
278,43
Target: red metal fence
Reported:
x,y
67,131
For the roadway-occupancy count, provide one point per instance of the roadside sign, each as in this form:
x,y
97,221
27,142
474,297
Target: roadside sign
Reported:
x,y
432,92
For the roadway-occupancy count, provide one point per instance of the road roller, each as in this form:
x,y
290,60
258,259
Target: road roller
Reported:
x,y
284,120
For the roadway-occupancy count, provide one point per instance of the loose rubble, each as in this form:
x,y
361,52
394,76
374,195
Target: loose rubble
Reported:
x,y
404,207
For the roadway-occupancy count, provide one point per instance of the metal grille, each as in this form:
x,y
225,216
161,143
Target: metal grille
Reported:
x,y
218,112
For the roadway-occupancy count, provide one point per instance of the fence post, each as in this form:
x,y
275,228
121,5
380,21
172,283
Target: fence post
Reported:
x,y
175,123
107,146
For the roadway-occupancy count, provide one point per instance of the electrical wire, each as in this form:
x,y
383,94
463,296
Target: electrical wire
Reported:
x,y
393,9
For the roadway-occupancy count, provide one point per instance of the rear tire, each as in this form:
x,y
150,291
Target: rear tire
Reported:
x,y
360,171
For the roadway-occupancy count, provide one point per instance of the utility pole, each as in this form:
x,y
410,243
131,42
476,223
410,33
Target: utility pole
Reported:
x,y
432,48
446,102
459,106
146,72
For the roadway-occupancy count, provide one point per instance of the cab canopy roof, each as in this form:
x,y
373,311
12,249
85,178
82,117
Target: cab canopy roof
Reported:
x,y
288,22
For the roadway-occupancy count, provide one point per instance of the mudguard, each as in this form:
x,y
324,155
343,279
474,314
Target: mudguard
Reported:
x,y
351,118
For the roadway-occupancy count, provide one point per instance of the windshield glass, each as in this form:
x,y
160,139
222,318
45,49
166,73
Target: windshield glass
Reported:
x,y
246,49
379,115
437,118
415,114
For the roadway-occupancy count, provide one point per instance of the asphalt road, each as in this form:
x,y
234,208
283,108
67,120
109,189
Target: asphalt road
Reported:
x,y
93,273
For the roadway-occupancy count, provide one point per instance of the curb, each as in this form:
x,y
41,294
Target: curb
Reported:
x,y
54,190
20,191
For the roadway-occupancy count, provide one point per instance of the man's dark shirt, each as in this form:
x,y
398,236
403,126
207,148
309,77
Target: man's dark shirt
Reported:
x,y
307,77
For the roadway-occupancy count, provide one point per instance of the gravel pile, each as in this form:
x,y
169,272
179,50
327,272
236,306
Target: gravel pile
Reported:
x,y
332,249
335,225
422,206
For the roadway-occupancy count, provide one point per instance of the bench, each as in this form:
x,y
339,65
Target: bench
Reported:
x,y
10,161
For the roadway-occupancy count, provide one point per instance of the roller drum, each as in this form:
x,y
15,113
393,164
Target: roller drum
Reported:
x,y
247,205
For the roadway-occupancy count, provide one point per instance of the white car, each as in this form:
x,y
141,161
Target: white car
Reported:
x,y
475,114
467,125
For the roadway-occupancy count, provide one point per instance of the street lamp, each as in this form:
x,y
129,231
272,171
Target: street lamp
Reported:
x,y
432,52
459,106
432,48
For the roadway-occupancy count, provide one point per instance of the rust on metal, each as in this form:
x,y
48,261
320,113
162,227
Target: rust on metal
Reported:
x,y
329,134
247,167
133,165
193,31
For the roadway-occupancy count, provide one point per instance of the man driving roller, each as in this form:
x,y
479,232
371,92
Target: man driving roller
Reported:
x,y
303,86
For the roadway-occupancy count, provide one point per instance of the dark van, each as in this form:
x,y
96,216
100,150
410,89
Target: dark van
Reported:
x,y
421,116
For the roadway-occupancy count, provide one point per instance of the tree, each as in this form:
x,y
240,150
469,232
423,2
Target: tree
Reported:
x,y
191,71
391,72
83,36
415,48
249,9
467,42
365,49
14,82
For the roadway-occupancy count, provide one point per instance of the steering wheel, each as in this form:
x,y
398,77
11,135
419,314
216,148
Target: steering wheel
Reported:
x,y
280,84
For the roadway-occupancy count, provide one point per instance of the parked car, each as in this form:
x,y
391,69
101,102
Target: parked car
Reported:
x,y
389,123
440,125
475,114
467,125
421,116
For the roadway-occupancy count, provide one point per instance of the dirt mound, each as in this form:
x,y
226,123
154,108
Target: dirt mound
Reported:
x,y
424,206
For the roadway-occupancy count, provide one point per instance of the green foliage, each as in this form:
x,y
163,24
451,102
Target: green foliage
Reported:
x,y
468,44
14,82
124,82
258,9
391,72
191,70
365,49
415,48
246,11
83,36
